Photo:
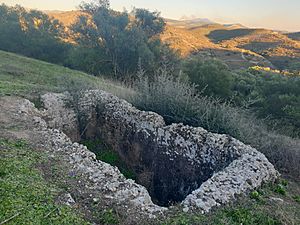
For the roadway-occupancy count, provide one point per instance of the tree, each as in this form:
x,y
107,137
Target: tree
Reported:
x,y
94,6
125,41
32,34
150,22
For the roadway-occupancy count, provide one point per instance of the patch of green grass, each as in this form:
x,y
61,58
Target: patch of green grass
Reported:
x,y
109,217
296,198
246,217
280,189
228,216
185,219
26,198
23,76
109,157
112,158
92,144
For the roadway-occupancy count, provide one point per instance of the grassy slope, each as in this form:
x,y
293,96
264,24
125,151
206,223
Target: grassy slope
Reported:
x,y
23,76
25,197
26,77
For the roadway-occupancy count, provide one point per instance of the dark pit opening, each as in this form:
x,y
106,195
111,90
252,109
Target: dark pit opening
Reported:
x,y
169,161
167,182
105,153
167,173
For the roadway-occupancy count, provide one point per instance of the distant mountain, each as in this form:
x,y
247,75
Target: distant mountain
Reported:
x,y
186,22
234,26
196,19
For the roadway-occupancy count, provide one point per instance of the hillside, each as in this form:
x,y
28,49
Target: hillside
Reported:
x,y
67,18
230,42
27,77
274,46
198,40
234,44
59,176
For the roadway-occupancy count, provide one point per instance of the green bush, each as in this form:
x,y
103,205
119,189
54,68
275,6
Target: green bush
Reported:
x,y
212,77
270,95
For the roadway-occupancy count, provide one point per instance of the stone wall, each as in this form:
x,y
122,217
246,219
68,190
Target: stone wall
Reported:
x,y
175,163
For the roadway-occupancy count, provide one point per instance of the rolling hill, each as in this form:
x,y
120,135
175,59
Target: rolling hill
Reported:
x,y
67,17
236,45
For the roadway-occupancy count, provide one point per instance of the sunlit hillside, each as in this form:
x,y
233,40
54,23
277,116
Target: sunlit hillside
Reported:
x,y
67,18
234,44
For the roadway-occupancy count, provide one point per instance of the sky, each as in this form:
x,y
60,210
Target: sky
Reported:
x,y
273,14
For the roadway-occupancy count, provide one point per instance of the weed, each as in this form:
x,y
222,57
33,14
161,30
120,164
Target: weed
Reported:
x,y
297,198
255,195
280,189
109,217
284,182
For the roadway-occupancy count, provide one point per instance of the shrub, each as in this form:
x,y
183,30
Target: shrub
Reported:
x,y
212,77
177,100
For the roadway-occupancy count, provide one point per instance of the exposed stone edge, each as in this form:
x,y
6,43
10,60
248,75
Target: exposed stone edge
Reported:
x,y
103,177
243,175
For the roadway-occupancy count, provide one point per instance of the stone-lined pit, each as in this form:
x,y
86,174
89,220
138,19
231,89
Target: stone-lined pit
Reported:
x,y
175,163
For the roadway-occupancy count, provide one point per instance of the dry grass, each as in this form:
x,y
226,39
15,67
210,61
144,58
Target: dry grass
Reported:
x,y
178,101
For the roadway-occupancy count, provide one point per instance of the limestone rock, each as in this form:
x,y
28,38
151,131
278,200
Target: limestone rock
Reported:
x,y
175,162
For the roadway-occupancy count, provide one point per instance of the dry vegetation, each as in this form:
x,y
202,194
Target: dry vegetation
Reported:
x,y
67,18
